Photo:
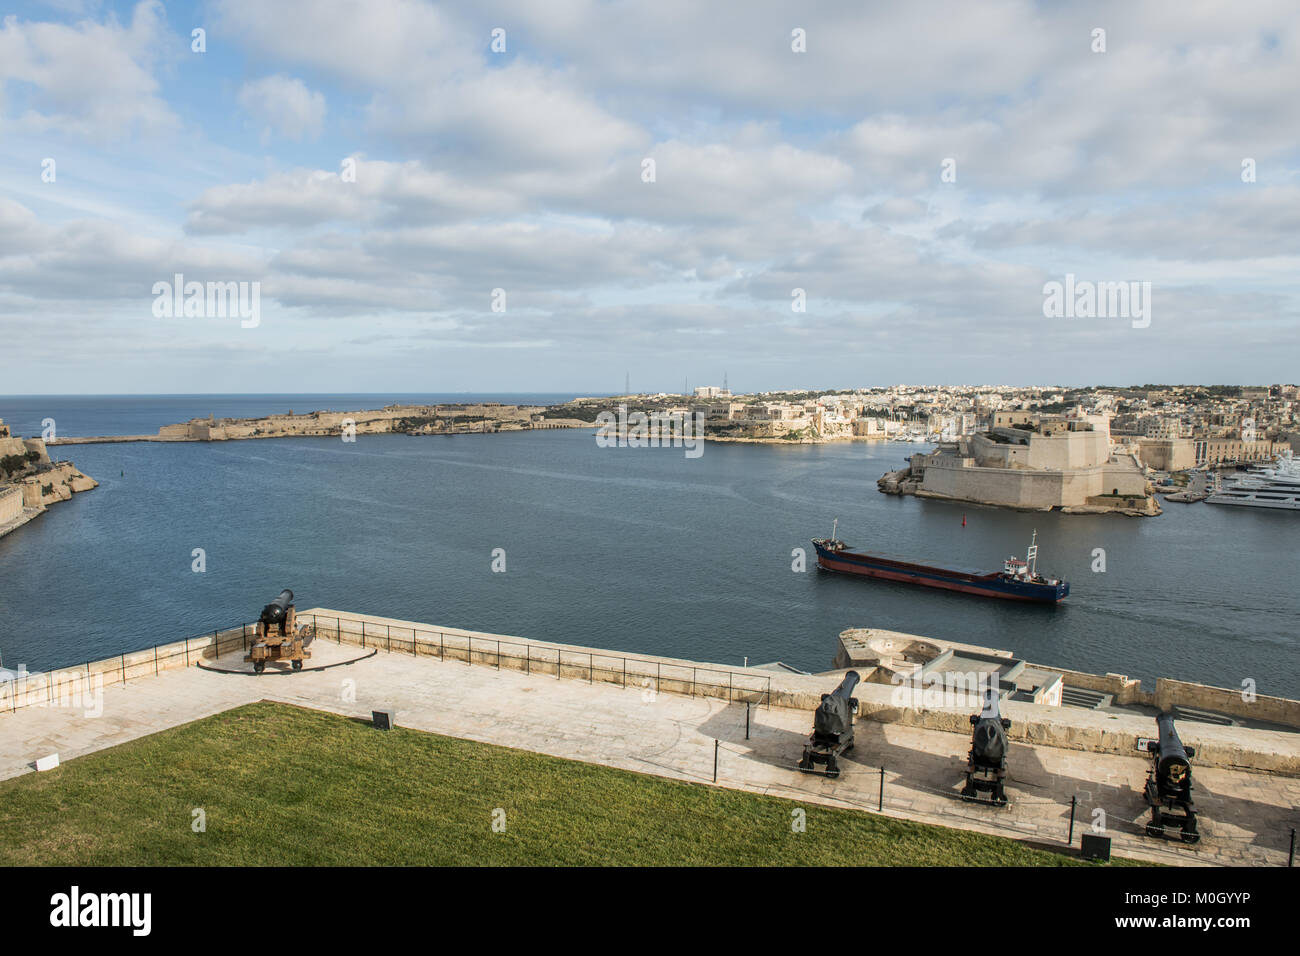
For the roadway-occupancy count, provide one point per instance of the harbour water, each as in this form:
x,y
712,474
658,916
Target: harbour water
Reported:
x,y
640,550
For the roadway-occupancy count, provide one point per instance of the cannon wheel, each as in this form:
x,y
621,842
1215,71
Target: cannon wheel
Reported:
x,y
259,666
297,665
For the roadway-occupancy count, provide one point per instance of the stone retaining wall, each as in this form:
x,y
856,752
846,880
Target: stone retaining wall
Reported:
x,y
68,686
11,503
1277,710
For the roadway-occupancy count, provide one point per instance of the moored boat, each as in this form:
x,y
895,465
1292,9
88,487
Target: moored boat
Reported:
x,y
1276,487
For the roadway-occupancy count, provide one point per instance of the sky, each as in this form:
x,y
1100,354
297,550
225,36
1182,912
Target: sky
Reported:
x,y
517,196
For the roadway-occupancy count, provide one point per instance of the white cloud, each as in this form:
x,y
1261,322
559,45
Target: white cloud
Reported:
x,y
374,42
381,192
90,79
774,170
283,106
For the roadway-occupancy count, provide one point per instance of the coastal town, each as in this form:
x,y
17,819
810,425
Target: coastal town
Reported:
x,y
1077,450
1203,424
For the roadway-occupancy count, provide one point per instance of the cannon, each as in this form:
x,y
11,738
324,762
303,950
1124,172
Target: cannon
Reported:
x,y
832,735
1169,784
278,636
986,765
277,612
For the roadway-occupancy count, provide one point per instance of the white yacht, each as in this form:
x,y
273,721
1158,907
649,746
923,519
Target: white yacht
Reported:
x,y
1270,487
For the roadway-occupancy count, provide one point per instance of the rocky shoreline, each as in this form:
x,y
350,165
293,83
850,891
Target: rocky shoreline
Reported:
x,y
467,419
30,481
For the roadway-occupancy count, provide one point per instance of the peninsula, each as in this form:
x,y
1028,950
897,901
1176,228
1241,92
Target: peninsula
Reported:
x,y
465,419
30,480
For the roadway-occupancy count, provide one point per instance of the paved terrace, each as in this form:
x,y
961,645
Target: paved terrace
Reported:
x,y
1245,816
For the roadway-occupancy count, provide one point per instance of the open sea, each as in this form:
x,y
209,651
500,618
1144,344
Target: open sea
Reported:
x,y
637,550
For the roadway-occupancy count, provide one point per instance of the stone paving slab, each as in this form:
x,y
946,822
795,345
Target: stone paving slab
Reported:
x,y
1245,817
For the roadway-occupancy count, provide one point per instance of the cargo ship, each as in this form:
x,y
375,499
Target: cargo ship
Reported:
x,y
1017,581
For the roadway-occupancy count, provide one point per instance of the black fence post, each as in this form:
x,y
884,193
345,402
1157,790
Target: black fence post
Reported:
x,y
715,760
746,720
881,805
389,627
1074,800
1290,860
591,669
498,655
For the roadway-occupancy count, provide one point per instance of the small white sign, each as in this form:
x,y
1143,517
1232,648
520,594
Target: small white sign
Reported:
x,y
47,763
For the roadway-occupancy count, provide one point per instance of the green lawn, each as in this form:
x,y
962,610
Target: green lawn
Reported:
x,y
282,785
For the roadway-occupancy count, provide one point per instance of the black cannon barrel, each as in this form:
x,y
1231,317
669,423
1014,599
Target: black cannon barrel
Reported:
x,y
845,690
989,733
833,719
992,704
989,740
275,611
1172,764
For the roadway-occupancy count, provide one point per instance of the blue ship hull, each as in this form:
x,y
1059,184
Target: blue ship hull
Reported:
x,y
994,584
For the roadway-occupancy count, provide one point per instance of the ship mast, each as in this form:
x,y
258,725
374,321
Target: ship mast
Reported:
x,y
835,527
1032,554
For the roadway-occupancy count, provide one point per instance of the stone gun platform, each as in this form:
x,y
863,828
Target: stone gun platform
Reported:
x,y
1246,816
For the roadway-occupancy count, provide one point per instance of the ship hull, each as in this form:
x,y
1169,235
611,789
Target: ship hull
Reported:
x,y
991,585
1288,504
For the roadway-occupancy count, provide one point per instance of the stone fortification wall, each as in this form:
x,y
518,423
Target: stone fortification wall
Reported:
x,y
11,503
953,477
1069,728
